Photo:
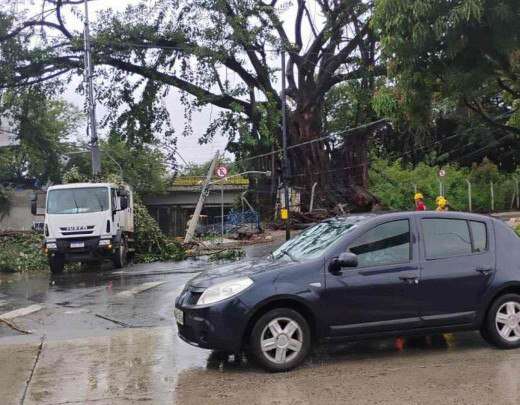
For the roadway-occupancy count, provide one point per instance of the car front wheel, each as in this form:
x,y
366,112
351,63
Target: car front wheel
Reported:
x,y
502,327
281,339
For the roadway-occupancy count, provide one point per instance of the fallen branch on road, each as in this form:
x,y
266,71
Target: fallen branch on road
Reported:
x,y
14,327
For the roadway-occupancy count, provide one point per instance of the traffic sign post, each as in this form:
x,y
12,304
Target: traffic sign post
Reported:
x,y
221,172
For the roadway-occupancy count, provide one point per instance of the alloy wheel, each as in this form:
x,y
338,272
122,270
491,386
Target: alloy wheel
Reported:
x,y
507,321
281,340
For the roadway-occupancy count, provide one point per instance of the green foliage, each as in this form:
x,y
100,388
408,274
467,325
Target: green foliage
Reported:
x,y
143,167
21,251
150,243
228,254
201,169
5,202
74,176
395,185
43,124
460,50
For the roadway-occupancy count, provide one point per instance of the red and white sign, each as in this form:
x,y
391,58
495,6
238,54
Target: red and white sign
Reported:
x,y
221,171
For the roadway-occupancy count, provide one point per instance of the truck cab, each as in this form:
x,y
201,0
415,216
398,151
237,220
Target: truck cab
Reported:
x,y
88,222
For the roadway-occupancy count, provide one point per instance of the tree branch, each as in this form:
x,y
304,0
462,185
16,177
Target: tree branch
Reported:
x,y
223,101
477,108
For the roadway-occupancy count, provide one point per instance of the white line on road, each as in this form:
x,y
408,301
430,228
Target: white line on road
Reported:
x,y
21,312
140,289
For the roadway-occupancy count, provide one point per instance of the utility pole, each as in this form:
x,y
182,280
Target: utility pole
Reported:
x,y
285,165
91,103
195,218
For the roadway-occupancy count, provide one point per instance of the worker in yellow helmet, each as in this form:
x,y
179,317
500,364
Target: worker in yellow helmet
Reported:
x,y
419,202
442,203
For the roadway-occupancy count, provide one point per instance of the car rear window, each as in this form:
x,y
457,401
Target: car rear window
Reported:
x,y
479,235
446,238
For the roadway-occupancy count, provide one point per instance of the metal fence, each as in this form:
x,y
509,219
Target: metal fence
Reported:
x,y
471,196
233,222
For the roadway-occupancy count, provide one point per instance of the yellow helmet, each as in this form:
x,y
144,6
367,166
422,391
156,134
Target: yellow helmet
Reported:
x,y
418,196
441,201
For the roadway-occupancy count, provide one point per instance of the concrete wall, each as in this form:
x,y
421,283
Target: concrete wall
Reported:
x,y
20,217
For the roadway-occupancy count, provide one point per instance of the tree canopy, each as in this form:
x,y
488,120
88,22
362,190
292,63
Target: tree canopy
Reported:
x,y
219,52
455,57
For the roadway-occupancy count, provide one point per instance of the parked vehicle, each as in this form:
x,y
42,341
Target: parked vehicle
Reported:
x,y
88,222
358,277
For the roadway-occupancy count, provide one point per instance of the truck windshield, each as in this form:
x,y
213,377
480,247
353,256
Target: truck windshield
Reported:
x,y
77,200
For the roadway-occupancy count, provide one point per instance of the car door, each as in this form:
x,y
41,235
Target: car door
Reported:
x,y
381,292
457,267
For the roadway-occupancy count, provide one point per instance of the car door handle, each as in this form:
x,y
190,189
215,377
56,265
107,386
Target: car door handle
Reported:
x,y
484,270
409,279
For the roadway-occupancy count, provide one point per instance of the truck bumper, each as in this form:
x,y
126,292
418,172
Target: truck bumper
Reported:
x,y
83,249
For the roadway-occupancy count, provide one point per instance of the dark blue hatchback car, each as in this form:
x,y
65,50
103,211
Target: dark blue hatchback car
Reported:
x,y
358,277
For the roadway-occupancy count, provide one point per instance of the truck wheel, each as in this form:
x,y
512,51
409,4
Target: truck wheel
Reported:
x,y
57,263
280,340
502,326
120,254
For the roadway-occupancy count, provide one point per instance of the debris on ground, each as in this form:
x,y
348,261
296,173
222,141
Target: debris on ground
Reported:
x,y
21,251
227,254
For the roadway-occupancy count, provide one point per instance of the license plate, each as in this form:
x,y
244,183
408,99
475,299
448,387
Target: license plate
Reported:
x,y
179,316
75,245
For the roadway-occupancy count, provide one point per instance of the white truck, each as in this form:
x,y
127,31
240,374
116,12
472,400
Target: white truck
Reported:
x,y
88,222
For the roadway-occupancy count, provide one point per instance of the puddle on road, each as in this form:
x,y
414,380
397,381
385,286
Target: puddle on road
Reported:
x,y
44,287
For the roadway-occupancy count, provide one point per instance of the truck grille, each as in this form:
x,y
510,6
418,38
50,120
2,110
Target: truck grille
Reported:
x,y
71,230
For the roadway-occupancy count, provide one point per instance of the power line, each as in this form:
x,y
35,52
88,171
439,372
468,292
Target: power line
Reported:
x,y
323,138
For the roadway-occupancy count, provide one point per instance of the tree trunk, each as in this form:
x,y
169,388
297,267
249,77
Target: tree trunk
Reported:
x,y
342,178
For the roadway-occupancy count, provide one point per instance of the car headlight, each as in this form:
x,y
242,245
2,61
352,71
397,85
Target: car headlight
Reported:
x,y
104,242
52,246
224,290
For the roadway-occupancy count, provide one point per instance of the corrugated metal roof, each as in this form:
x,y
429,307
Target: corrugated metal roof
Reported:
x,y
194,181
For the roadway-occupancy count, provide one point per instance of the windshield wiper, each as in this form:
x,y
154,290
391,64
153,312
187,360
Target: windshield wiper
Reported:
x,y
285,252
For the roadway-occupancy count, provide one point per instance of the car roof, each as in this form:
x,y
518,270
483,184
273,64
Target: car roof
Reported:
x,y
361,217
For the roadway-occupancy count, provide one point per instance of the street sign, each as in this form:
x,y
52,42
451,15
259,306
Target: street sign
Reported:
x,y
442,173
222,171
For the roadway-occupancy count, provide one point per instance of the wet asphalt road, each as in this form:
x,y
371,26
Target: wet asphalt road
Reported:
x,y
108,338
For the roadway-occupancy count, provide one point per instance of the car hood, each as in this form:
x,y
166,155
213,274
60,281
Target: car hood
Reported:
x,y
243,268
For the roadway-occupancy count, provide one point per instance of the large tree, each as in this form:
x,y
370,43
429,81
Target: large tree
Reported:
x,y
219,52
456,66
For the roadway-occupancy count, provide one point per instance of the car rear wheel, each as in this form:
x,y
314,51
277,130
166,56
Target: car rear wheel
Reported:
x,y
280,340
502,327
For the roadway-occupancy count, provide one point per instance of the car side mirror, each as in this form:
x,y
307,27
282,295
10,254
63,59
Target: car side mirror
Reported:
x,y
346,259
124,203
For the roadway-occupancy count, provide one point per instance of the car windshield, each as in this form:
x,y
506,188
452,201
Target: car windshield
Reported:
x,y
311,243
77,200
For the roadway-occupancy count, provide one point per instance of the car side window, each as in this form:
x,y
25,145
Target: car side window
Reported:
x,y
479,235
386,244
445,238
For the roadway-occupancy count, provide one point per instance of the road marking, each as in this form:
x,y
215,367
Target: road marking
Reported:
x,y
21,312
140,288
